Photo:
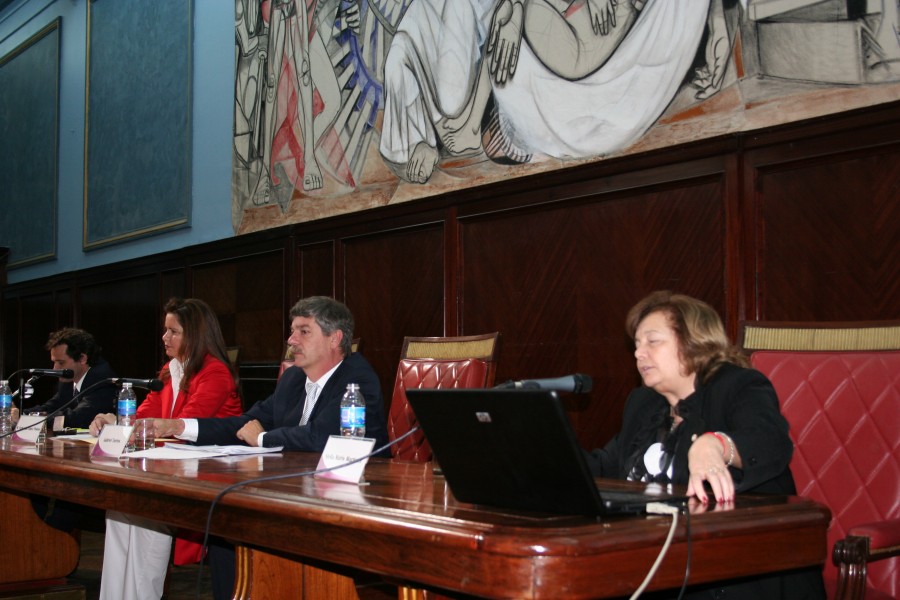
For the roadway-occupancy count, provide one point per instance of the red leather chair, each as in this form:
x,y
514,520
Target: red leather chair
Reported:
x,y
839,388
436,362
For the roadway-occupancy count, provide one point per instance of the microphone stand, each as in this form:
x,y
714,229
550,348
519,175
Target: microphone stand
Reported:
x,y
65,405
30,381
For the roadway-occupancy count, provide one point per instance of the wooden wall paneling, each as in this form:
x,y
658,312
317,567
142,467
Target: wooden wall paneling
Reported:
x,y
828,239
124,316
5,336
453,325
247,295
316,271
394,284
10,337
171,285
65,307
38,319
739,281
557,281
799,221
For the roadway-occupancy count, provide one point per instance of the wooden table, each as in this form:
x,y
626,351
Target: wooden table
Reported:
x,y
404,525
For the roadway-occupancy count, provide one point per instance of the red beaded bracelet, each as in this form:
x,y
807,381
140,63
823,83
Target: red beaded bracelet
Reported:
x,y
727,446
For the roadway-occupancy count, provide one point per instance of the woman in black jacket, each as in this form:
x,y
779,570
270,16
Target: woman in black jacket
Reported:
x,y
705,419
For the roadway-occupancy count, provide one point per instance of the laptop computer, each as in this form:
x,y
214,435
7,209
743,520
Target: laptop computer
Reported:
x,y
515,449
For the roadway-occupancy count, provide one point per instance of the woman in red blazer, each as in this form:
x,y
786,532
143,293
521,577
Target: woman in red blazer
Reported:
x,y
198,381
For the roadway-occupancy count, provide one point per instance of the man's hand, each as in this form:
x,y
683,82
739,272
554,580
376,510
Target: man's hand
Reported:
x,y
100,421
167,428
249,433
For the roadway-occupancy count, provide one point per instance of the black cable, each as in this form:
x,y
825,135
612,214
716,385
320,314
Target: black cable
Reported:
x,y
234,486
687,566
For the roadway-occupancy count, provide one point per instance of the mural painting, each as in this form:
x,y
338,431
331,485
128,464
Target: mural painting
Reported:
x,y
342,105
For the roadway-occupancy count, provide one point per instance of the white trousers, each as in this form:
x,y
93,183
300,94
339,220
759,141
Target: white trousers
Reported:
x,y
135,558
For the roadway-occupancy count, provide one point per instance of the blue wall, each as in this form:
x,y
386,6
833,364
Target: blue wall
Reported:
x,y
213,101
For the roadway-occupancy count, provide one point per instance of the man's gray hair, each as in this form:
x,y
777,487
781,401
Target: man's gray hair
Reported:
x,y
330,316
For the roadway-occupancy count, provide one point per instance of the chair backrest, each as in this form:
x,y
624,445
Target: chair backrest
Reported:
x,y
234,354
839,389
436,362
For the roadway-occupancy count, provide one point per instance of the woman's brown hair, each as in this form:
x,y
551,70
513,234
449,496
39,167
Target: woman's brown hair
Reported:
x,y
702,341
202,336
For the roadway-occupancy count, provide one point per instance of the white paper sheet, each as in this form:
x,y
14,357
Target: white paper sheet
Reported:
x,y
182,451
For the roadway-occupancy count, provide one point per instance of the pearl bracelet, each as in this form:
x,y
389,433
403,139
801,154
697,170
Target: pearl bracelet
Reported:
x,y
731,450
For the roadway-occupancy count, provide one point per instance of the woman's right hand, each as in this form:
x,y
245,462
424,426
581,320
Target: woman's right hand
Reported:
x,y
100,421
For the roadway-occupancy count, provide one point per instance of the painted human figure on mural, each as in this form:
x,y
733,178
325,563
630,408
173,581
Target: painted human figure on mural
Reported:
x,y
590,77
431,73
608,97
323,87
883,44
251,43
359,47
295,124
302,93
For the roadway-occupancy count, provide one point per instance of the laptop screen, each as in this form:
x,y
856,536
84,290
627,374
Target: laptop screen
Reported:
x,y
507,448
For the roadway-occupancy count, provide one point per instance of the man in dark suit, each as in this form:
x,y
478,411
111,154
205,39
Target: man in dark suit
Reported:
x,y
303,411
77,350
321,332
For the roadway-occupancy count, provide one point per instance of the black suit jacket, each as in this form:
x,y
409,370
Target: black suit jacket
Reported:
x,y
101,399
280,413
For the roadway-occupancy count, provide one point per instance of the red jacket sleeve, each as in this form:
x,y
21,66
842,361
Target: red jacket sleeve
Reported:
x,y
212,393
152,406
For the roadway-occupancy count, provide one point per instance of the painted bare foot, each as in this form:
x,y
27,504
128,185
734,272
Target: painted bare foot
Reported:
x,y
461,137
421,163
312,175
260,193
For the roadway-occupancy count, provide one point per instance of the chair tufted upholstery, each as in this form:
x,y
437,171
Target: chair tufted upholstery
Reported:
x,y
452,362
417,373
844,412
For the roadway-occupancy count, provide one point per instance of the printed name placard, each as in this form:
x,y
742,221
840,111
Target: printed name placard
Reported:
x,y
340,450
112,440
28,427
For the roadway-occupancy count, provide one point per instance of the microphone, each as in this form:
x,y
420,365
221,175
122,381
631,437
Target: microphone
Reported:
x,y
154,385
63,373
577,383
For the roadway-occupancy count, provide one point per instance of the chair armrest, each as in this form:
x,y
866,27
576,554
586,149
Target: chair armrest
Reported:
x,y
865,543
884,537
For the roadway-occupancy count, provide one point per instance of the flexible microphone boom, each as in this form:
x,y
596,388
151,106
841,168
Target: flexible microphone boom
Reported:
x,y
62,373
577,383
154,385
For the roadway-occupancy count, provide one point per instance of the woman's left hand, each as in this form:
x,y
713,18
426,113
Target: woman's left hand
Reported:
x,y
706,463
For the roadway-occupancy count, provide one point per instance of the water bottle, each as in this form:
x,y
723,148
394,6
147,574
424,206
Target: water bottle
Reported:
x,y
127,408
353,412
6,425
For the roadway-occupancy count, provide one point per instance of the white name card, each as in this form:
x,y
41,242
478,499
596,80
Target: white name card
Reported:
x,y
112,440
28,427
340,450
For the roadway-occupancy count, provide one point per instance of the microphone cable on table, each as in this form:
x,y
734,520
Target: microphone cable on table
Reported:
x,y
661,508
234,486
